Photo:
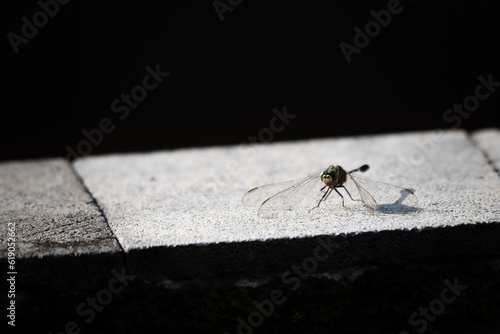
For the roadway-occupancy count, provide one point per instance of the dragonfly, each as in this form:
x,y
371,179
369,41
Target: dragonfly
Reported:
x,y
317,187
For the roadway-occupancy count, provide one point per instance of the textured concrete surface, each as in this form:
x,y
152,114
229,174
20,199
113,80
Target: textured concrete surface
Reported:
x,y
179,213
488,140
57,223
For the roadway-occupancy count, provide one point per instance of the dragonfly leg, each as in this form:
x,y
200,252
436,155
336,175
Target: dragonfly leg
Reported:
x,y
328,194
325,196
347,192
339,195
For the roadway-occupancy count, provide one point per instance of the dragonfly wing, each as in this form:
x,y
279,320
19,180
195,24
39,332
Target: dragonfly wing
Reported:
x,y
366,197
374,193
258,195
286,194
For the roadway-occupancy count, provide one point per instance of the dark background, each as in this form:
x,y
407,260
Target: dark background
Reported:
x,y
227,76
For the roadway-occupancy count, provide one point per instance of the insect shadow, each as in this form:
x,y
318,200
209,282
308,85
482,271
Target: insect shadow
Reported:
x,y
398,207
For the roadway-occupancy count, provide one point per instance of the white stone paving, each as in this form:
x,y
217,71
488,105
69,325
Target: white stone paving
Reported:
x,y
489,141
50,210
193,196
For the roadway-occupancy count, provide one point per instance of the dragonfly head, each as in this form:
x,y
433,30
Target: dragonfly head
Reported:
x,y
330,175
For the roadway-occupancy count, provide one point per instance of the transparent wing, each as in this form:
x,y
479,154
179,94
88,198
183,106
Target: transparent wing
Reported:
x,y
304,192
376,195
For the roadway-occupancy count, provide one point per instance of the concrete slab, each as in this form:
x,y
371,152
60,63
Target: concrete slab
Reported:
x,y
57,225
179,213
488,140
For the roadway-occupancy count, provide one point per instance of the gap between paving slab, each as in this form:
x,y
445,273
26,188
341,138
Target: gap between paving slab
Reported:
x,y
488,141
62,240
178,214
